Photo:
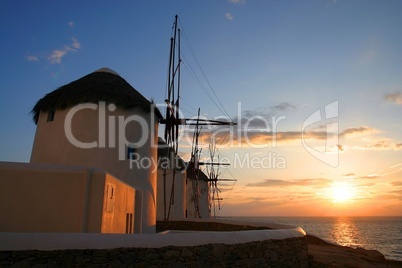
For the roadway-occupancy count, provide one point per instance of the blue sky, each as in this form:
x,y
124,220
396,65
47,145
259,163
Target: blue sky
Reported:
x,y
277,58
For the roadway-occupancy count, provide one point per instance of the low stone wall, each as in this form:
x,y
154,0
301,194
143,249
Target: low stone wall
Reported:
x,y
287,252
205,226
290,252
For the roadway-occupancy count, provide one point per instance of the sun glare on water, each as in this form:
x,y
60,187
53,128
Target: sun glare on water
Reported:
x,y
342,193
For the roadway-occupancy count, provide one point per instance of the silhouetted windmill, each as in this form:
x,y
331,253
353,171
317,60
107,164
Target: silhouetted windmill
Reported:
x,y
213,178
173,120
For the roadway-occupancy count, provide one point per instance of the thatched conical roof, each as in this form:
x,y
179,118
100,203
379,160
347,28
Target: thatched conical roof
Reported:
x,y
192,173
101,85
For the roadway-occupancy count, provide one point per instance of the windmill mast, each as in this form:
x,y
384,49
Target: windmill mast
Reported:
x,y
173,121
172,113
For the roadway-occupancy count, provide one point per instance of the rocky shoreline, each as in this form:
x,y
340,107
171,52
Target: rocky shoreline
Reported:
x,y
320,253
323,254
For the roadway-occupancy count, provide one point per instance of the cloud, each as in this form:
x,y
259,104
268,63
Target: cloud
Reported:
x,y
281,183
396,165
31,58
370,177
367,185
357,131
237,2
398,192
229,16
56,56
284,106
76,44
331,2
396,183
288,136
255,129
394,98
256,134
374,176
381,146
264,117
254,118
257,138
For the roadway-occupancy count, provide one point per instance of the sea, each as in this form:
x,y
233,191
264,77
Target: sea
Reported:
x,y
379,233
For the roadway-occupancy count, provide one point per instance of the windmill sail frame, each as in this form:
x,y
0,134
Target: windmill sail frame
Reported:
x,y
172,122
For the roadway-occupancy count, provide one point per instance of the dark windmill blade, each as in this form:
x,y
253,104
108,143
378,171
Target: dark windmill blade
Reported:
x,y
213,179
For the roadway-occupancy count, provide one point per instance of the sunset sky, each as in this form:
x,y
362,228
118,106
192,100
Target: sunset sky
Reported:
x,y
328,69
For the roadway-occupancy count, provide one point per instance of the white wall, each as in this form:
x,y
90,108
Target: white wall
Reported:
x,y
109,131
178,209
203,199
57,198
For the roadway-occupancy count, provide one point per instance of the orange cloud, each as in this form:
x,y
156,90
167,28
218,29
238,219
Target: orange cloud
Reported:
x,y
320,182
394,97
396,183
357,131
382,145
232,136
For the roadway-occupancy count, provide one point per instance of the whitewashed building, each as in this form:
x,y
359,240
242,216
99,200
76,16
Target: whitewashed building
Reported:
x,y
38,198
197,201
171,194
100,121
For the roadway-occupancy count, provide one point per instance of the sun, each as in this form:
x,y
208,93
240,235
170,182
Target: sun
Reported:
x,y
342,193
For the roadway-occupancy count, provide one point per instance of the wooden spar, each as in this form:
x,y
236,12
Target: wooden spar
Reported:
x,y
193,122
213,164
226,179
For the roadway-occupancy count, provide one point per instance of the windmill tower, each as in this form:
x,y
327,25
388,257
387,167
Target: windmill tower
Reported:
x,y
100,120
169,164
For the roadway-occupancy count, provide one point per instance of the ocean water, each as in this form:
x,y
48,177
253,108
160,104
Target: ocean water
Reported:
x,y
380,233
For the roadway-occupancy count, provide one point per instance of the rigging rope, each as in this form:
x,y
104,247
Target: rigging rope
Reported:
x,y
221,108
197,79
215,100
194,112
